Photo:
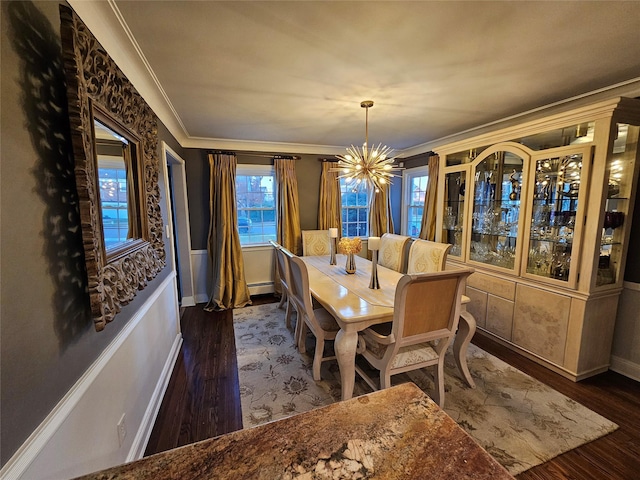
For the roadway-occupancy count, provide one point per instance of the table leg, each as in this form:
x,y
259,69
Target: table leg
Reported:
x,y
466,329
345,346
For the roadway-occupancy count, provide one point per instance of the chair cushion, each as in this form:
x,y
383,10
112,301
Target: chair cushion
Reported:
x,y
326,321
316,242
410,355
392,250
427,257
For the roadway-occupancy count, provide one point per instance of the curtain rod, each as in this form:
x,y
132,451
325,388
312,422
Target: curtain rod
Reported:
x,y
332,160
262,155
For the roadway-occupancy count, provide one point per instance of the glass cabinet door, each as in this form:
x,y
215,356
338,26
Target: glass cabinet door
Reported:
x,y
556,196
497,183
620,171
453,215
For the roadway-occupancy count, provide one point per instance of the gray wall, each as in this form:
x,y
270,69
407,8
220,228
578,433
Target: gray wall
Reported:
x,y
308,170
47,338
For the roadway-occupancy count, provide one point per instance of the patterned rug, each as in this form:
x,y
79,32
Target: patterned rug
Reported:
x,y
517,419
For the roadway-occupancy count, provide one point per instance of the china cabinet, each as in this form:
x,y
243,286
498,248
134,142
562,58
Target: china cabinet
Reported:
x,y
542,211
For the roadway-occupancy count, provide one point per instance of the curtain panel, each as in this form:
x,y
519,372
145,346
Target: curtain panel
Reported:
x,y
380,219
428,227
330,204
226,266
288,232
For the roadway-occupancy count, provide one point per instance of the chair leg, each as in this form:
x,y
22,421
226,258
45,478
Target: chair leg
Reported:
x,y
385,379
439,382
466,329
301,333
317,358
287,315
283,297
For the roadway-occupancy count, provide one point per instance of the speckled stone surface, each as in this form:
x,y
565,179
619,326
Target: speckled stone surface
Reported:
x,y
398,433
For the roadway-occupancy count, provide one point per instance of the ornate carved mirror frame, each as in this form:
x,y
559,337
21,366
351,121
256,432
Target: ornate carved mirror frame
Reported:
x,y
96,86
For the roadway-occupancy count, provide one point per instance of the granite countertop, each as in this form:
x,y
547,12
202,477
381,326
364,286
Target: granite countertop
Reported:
x,y
397,433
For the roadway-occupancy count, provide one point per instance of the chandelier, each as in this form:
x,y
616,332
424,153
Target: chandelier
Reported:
x,y
371,166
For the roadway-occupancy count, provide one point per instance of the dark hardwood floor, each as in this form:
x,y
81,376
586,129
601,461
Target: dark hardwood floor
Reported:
x,y
203,401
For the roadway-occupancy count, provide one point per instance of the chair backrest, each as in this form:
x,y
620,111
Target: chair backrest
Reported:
x,y
427,306
299,287
392,251
427,257
282,265
315,242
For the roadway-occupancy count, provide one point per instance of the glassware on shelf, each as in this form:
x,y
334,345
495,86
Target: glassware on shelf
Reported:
x,y
449,219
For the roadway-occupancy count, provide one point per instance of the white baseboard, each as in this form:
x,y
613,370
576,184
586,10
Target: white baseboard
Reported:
x,y
144,432
189,301
261,289
79,435
625,367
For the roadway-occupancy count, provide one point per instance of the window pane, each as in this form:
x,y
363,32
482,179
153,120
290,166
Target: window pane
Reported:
x,y
355,210
255,197
416,189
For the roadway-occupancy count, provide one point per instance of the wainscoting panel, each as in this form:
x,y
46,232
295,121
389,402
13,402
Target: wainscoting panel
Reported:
x,y
625,353
80,435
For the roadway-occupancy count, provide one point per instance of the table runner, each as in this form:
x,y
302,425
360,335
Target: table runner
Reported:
x,y
358,283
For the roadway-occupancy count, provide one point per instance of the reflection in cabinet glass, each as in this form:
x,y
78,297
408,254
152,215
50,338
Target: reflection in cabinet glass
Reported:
x,y
553,217
620,168
455,186
496,209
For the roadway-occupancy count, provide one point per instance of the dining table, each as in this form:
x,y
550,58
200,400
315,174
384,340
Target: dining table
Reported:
x,y
355,307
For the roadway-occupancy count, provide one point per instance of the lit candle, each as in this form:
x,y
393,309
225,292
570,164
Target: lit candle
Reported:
x,y
333,232
373,243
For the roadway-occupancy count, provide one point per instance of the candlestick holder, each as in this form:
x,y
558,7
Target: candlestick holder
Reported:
x,y
332,244
374,271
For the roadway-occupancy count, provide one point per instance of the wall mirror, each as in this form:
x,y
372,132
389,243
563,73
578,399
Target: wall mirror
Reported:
x,y
115,147
120,186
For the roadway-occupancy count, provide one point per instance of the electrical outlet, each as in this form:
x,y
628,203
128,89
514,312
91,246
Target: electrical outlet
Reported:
x,y
122,430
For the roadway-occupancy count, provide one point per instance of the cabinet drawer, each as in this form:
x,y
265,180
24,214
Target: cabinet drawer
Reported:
x,y
495,286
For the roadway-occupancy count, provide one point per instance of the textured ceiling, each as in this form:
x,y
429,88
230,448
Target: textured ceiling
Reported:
x,y
296,72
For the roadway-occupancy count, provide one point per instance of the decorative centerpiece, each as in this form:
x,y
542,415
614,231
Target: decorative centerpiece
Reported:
x,y
350,247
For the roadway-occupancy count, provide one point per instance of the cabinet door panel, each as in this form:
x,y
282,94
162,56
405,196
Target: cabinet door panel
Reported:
x,y
556,200
498,176
540,322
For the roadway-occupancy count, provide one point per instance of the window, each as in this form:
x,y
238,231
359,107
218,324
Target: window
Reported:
x,y
256,203
355,210
112,182
415,187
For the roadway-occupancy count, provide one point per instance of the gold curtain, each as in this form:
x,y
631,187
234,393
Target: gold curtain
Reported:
x,y
288,232
380,219
330,205
132,201
228,285
428,228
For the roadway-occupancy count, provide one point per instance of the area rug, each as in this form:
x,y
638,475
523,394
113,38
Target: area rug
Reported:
x,y
520,421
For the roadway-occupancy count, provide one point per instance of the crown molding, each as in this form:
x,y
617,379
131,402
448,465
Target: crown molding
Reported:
x,y
629,88
260,146
107,24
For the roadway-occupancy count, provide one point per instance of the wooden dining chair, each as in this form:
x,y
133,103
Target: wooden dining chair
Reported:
x,y
282,267
392,251
427,257
319,321
316,242
425,317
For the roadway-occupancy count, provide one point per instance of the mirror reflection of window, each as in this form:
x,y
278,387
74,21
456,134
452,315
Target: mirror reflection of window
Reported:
x,y
116,186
